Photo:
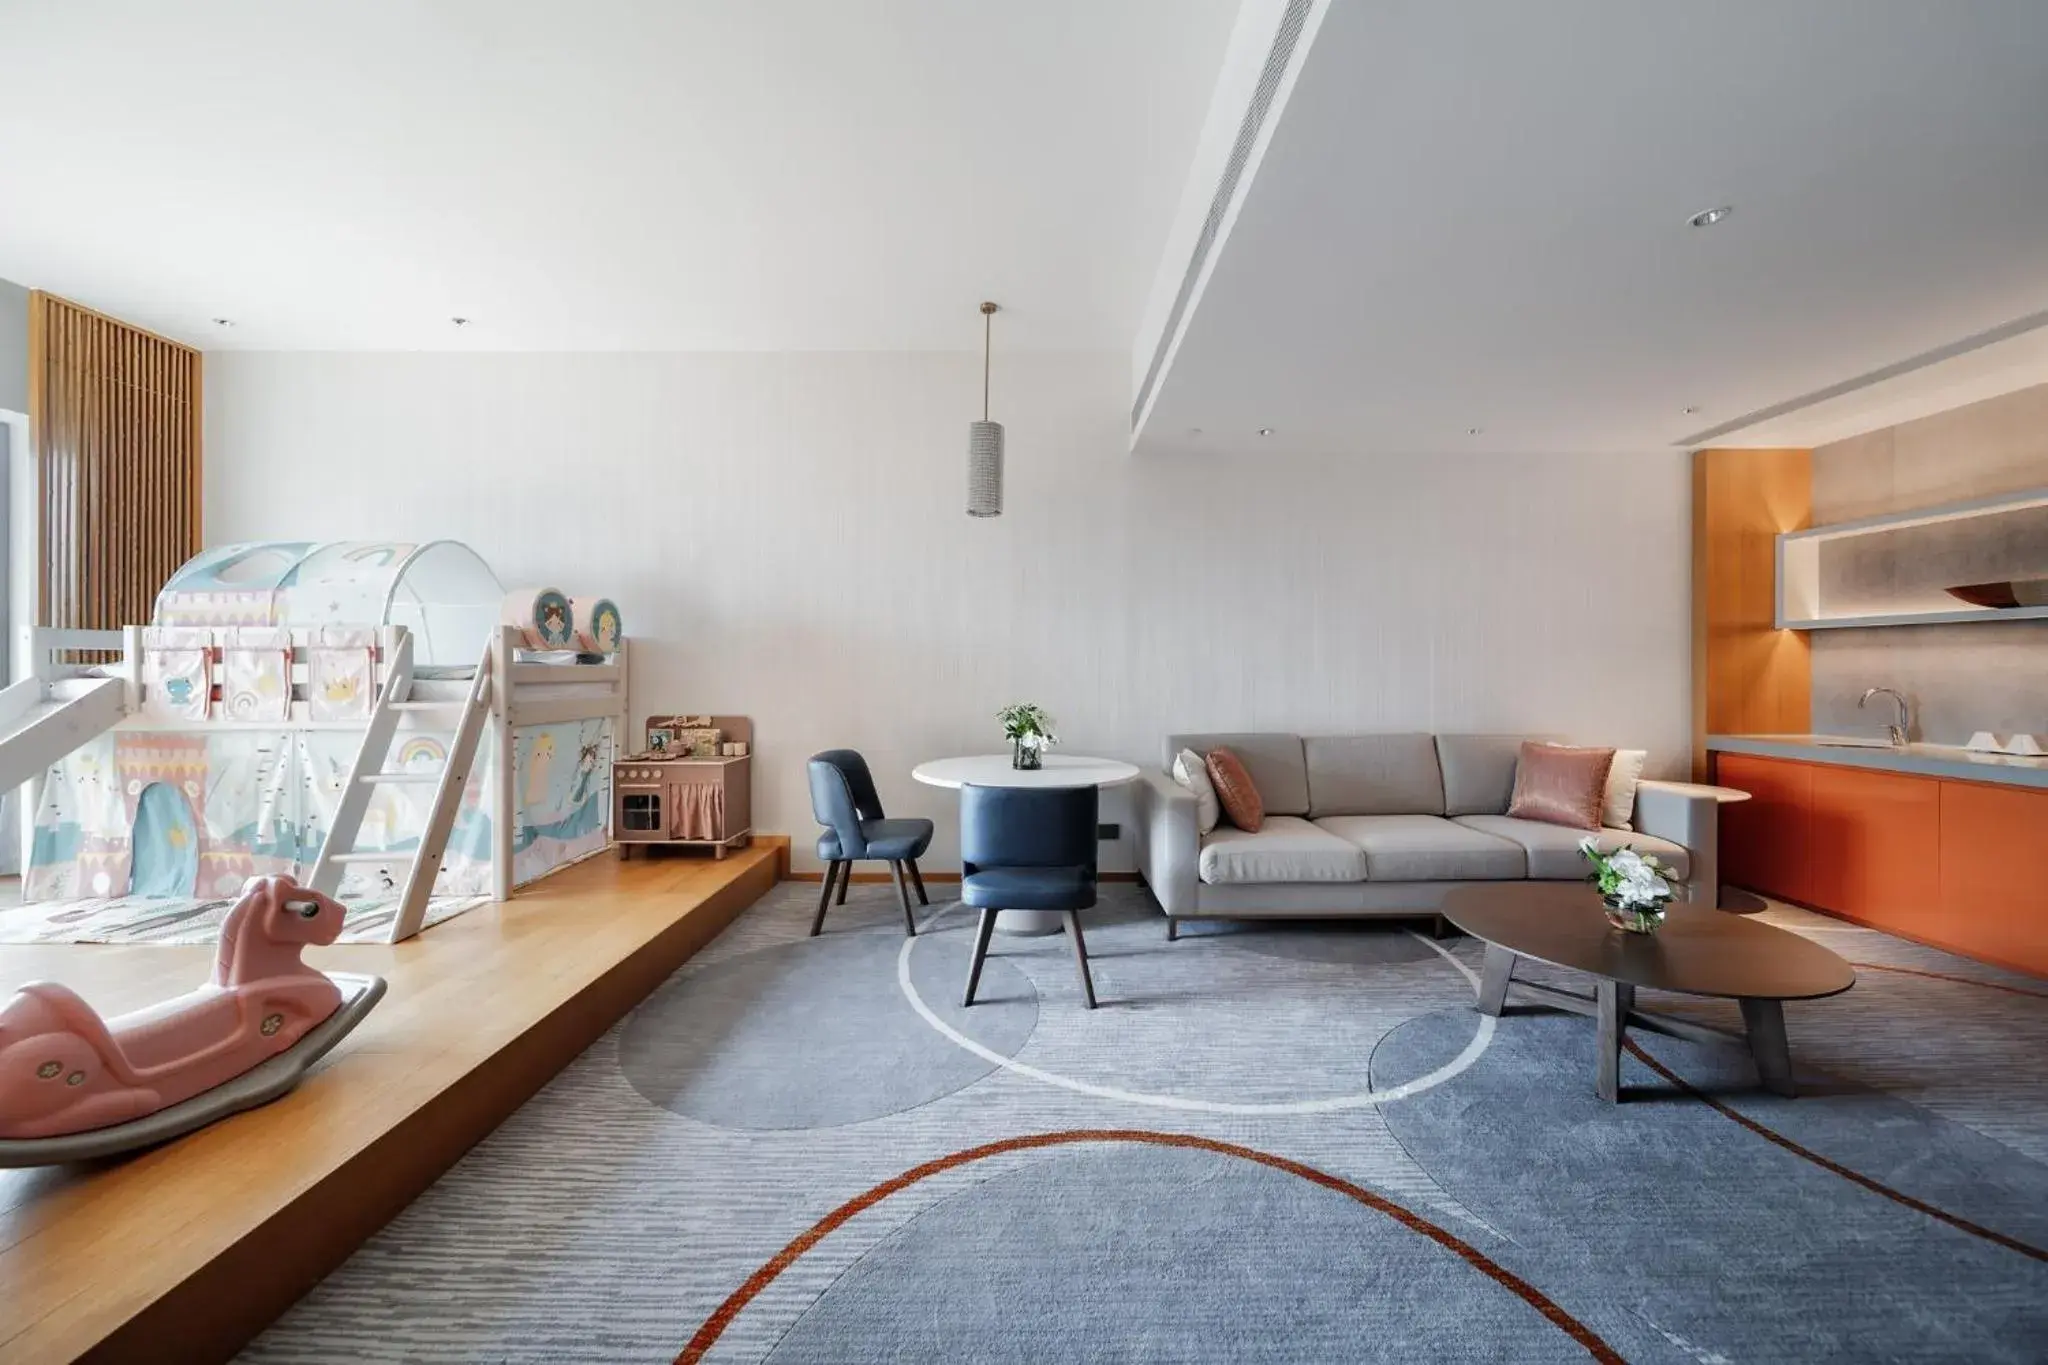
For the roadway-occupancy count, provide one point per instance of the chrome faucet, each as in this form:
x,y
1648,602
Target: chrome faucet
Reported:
x,y
1900,723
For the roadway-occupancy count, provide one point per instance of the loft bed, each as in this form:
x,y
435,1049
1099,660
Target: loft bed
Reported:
x,y
379,720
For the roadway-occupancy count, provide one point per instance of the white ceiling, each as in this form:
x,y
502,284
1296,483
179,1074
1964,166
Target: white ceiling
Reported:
x,y
1920,386
602,174
1474,215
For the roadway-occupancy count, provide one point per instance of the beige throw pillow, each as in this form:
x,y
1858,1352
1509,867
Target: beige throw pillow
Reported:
x,y
1191,772
1620,805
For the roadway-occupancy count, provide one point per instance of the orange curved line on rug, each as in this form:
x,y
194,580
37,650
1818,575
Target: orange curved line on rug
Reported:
x,y
1950,976
722,1317
1833,1166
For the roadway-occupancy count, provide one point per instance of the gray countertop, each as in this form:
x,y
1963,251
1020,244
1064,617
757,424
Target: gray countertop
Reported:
x,y
1926,760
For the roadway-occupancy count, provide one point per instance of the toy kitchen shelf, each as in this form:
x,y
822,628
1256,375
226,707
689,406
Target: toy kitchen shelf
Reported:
x,y
1895,570
667,797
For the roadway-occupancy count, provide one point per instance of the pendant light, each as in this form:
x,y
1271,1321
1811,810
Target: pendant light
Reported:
x,y
985,442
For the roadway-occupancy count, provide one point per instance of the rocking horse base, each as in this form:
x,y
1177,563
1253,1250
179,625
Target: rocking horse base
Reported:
x,y
258,1085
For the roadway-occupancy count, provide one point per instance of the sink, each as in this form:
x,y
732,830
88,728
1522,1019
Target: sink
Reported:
x,y
1838,742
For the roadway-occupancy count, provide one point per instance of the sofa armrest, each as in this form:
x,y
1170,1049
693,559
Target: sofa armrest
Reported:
x,y
1690,817
1169,845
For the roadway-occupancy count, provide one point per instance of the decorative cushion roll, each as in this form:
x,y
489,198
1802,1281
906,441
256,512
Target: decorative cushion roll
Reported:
x,y
597,624
1235,792
1191,772
1560,785
544,618
1619,807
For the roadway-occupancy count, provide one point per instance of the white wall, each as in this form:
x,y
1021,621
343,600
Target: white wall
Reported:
x,y
786,537
13,347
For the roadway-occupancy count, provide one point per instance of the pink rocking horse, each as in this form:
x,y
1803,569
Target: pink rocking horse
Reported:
x,y
74,1085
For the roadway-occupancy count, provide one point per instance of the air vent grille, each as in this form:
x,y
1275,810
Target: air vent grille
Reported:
x,y
1277,58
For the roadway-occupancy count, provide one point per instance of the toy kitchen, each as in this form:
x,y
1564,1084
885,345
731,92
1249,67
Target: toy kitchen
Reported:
x,y
690,786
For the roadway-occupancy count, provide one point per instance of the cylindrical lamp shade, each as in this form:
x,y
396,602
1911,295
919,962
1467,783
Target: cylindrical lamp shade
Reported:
x,y
984,469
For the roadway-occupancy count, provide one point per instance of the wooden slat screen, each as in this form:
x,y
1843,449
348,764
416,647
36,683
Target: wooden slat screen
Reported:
x,y
114,413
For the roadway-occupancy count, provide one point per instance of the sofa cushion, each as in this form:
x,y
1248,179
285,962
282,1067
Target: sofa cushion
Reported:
x,y
1373,775
1192,772
1554,850
1273,760
1288,849
1235,790
1479,772
1618,809
1427,848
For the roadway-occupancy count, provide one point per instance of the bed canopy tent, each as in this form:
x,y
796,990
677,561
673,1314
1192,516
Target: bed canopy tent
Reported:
x,y
441,591
359,714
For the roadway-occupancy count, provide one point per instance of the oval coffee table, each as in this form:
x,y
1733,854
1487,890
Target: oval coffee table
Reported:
x,y
1698,952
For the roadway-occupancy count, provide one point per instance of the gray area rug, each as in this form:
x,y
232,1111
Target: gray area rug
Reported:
x,y
163,920
1285,1143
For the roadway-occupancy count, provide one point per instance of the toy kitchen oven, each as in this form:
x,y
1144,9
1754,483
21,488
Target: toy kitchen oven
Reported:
x,y
690,786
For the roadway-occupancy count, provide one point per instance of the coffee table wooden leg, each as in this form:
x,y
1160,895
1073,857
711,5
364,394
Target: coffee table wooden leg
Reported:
x,y
1765,1022
1616,999
1494,976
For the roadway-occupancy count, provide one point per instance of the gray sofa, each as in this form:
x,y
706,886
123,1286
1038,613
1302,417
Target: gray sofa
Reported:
x,y
1363,825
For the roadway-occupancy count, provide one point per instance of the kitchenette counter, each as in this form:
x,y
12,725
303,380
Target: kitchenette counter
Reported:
x,y
1924,760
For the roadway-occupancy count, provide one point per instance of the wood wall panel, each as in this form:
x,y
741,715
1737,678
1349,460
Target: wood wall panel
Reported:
x,y
114,418
1749,677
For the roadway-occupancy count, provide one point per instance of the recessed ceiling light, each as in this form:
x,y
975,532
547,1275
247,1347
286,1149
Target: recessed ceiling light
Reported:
x,y
1709,217
1475,431
1194,431
1265,431
223,322
460,322
1691,408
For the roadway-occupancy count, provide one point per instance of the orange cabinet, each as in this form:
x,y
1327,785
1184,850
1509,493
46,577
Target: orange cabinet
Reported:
x,y
1874,848
1960,865
1764,839
1994,874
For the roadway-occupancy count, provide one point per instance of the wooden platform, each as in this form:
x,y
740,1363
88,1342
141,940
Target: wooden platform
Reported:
x,y
186,1252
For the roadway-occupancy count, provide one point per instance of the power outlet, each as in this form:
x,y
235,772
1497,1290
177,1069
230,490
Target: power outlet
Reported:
x,y
1109,833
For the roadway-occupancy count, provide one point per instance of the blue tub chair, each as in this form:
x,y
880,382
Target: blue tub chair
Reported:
x,y
844,801
1028,848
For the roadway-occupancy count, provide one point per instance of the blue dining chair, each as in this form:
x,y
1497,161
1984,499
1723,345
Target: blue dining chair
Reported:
x,y
1028,848
844,801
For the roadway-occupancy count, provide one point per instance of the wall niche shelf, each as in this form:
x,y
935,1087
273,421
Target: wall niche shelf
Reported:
x,y
1895,570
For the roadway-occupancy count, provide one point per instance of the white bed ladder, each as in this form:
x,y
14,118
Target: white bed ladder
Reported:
x,y
371,770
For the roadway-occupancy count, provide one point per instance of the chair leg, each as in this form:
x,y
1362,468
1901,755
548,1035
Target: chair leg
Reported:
x,y
825,897
903,895
917,880
981,936
845,877
1172,929
1081,957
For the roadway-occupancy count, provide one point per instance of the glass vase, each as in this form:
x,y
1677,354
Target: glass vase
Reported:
x,y
1025,757
1634,918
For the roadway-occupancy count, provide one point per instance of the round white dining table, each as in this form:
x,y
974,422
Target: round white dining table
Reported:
x,y
996,770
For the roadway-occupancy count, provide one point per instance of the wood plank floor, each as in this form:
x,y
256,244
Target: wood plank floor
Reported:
x,y
184,1253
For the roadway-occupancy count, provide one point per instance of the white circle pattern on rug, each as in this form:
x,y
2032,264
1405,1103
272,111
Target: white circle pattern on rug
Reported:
x,y
1482,1037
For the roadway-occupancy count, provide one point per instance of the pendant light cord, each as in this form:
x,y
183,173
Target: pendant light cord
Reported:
x,y
988,318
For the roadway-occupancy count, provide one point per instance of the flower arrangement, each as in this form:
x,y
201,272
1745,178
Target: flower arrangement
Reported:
x,y
1635,887
1029,730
